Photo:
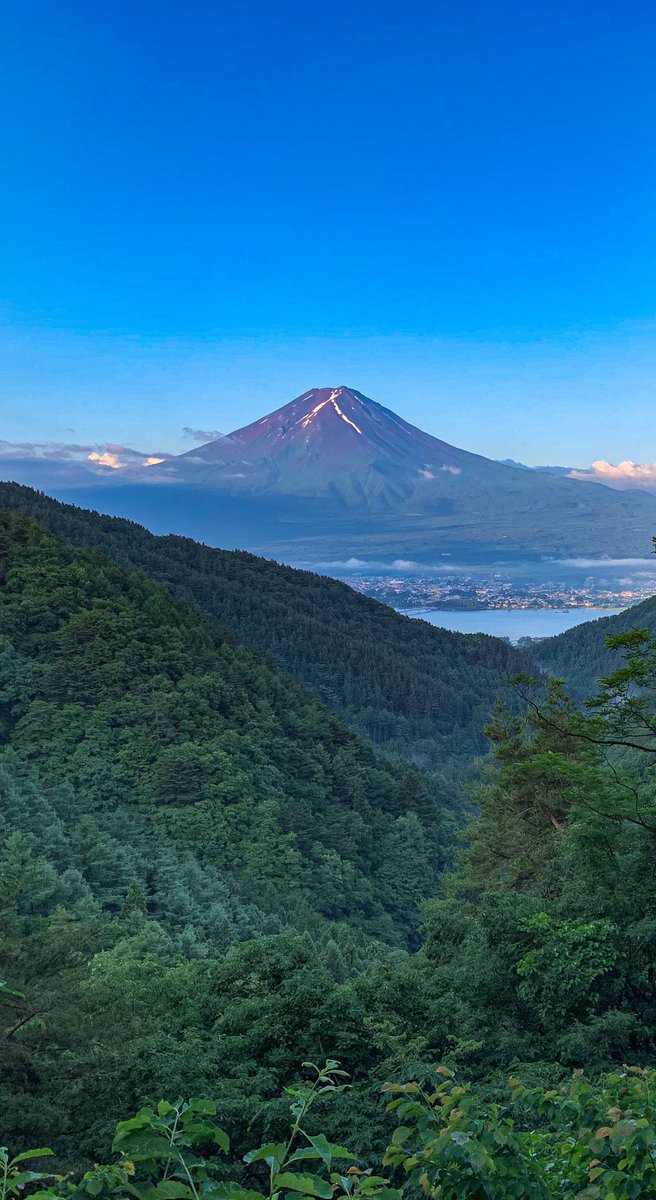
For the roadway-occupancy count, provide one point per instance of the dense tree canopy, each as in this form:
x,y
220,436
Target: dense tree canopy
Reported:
x,y
139,722
207,878
420,692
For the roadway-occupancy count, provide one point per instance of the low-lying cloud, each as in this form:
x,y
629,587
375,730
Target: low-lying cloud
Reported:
x,y
75,463
621,475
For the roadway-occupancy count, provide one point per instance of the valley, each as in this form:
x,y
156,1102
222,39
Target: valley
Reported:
x,y
523,600
327,687
251,815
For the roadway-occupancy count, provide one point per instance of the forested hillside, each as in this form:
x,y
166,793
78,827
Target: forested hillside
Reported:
x,y
163,765
207,879
582,655
419,692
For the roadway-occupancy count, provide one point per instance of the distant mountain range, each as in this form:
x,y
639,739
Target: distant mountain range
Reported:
x,y
622,476
333,476
512,462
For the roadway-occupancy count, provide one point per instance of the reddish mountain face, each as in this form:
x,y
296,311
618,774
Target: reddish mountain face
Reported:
x,y
333,474
329,441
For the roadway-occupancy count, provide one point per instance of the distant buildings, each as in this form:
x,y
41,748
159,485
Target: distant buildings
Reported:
x,y
464,591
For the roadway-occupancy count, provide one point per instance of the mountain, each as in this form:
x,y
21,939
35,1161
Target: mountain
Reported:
x,y
197,855
581,656
544,470
334,475
419,692
136,716
330,443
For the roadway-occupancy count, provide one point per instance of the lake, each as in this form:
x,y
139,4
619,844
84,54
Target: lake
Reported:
x,y
513,623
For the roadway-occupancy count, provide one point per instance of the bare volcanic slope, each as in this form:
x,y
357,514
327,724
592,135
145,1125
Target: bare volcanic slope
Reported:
x,y
333,474
333,443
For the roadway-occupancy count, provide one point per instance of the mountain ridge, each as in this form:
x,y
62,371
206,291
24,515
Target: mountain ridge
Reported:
x,y
340,475
418,692
316,444
333,475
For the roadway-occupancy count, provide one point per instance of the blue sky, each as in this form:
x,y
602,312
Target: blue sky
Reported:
x,y
210,207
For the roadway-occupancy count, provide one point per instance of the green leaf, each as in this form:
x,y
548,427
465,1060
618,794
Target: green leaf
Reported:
x,y
42,1153
200,1132
140,1146
308,1185
228,1191
327,1151
320,1144
168,1189
49,1194
140,1120
307,1153
271,1153
206,1107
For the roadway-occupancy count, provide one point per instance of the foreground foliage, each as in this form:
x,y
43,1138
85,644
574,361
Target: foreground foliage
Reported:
x,y
581,1141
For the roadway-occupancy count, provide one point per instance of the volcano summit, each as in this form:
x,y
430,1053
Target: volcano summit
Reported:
x,y
330,442
333,475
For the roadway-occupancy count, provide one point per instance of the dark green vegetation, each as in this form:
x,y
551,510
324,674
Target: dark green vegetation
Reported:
x,y
421,693
582,655
149,733
207,878
578,1141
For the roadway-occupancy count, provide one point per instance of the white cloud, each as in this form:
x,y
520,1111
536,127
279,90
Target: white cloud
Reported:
x,y
604,563
452,470
106,460
625,474
46,464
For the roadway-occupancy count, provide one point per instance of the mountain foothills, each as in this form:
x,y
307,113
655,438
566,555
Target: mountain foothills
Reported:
x,y
582,655
207,879
420,693
333,474
131,703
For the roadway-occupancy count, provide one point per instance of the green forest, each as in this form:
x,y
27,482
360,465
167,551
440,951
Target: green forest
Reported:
x,y
417,692
274,922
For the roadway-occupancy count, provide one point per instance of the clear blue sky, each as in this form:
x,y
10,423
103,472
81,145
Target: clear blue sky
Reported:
x,y
210,206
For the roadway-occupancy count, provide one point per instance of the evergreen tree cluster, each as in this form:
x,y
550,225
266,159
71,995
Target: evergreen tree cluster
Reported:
x,y
207,878
160,753
418,692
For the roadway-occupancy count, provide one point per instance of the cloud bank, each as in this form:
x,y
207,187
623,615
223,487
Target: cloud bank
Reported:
x,y
43,464
621,475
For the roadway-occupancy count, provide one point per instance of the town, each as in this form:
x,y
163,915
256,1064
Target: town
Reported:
x,y
495,591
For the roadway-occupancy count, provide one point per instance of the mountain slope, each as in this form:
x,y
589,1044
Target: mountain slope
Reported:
x,y
416,690
333,475
140,714
332,443
581,657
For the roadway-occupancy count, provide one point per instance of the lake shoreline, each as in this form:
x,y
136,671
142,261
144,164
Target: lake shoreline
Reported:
x,y
513,624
